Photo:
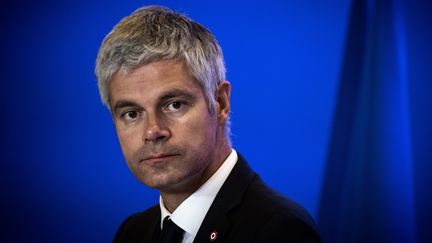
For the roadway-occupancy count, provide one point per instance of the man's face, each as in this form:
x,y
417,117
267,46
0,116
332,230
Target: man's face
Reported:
x,y
169,138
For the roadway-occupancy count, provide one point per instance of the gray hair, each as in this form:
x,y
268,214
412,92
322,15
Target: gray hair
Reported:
x,y
156,33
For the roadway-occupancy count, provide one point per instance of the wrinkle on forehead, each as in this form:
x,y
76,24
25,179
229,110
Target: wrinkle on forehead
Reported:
x,y
152,80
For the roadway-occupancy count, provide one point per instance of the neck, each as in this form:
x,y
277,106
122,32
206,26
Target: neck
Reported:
x,y
173,199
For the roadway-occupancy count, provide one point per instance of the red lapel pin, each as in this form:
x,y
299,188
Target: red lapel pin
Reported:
x,y
213,235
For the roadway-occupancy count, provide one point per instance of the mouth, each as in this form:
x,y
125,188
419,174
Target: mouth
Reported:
x,y
158,158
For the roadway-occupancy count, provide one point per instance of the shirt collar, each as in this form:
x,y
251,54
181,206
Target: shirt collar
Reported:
x,y
191,212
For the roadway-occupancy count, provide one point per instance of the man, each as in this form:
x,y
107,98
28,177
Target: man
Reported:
x,y
163,78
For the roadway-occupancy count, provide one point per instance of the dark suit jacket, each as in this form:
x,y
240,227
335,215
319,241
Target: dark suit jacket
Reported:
x,y
244,210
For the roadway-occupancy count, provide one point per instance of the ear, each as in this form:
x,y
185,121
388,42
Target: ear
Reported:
x,y
223,101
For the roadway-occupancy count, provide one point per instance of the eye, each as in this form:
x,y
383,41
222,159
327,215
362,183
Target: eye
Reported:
x,y
130,115
174,106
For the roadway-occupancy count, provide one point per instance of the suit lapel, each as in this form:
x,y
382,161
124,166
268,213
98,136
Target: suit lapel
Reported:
x,y
216,223
152,231
156,230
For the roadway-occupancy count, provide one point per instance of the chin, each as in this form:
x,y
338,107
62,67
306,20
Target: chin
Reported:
x,y
172,184
160,182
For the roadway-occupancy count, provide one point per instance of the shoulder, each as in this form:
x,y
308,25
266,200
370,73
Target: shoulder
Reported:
x,y
139,226
285,227
272,202
273,217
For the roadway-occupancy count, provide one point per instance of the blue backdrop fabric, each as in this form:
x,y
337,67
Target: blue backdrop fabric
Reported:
x,y
368,192
331,105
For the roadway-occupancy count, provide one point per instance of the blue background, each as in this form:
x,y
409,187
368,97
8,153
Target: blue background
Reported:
x,y
62,174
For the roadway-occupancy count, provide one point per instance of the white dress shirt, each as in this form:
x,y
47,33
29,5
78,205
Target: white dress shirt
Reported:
x,y
191,212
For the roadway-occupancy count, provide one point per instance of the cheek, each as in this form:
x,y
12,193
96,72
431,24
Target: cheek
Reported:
x,y
129,142
200,130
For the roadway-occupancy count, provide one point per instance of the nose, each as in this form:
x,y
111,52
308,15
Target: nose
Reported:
x,y
155,131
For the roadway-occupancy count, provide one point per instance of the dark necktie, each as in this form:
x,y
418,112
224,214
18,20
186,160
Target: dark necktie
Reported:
x,y
171,233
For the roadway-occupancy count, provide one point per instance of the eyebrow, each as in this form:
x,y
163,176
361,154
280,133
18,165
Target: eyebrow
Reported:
x,y
176,93
124,103
165,96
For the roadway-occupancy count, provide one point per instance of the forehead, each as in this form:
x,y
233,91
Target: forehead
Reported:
x,y
152,80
